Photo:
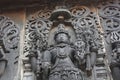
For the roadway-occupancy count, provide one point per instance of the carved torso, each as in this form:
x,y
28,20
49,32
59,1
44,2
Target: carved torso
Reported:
x,y
63,58
62,63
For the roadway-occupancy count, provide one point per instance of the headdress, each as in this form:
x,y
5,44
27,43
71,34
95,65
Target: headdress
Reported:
x,y
61,29
60,11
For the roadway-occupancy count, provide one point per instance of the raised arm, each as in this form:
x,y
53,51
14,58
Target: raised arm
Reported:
x,y
3,61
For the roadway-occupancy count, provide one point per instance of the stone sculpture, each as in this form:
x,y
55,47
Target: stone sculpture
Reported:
x,y
9,47
110,14
115,60
64,59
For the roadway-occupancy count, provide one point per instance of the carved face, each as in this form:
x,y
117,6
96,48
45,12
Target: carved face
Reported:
x,y
62,38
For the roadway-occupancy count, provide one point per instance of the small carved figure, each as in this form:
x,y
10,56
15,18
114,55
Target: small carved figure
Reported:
x,y
65,60
90,50
115,63
62,61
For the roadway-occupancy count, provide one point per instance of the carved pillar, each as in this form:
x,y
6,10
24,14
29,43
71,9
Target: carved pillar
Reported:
x,y
109,14
9,44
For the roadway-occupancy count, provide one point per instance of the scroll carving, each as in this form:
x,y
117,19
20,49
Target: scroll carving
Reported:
x,y
42,60
9,39
110,20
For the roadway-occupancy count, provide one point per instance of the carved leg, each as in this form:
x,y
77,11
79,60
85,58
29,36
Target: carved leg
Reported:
x,y
34,63
2,67
29,76
93,58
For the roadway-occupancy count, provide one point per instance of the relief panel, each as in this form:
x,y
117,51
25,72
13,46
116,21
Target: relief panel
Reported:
x,y
109,13
64,43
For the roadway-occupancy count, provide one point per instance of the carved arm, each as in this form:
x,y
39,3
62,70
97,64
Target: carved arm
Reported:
x,y
94,51
3,61
46,64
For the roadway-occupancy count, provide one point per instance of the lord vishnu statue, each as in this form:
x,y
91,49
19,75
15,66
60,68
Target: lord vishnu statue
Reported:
x,y
61,62
64,59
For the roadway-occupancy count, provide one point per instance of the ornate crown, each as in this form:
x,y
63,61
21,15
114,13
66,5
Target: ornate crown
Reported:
x,y
60,11
61,29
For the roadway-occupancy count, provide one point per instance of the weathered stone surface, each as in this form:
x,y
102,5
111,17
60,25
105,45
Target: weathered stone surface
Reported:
x,y
10,47
37,40
109,13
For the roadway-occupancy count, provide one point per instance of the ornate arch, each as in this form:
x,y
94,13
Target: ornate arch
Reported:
x,y
83,21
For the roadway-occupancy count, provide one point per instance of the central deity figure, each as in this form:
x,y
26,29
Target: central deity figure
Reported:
x,y
61,61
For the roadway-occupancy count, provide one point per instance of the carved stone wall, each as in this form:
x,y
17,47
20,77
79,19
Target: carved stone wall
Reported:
x,y
10,27
27,33
109,13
